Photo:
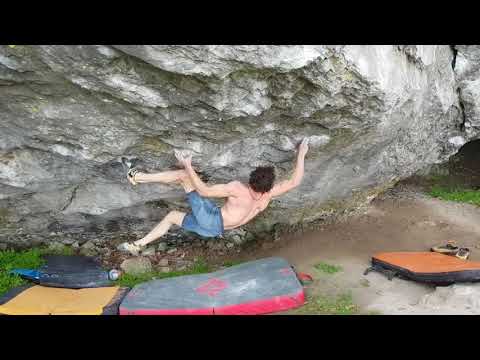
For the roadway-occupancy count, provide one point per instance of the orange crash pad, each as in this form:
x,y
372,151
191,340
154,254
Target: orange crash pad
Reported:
x,y
429,267
40,300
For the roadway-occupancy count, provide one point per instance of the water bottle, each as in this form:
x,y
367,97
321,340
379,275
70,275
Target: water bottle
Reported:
x,y
113,274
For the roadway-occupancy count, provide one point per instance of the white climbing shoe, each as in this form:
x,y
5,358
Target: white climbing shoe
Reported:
x,y
130,248
463,253
130,168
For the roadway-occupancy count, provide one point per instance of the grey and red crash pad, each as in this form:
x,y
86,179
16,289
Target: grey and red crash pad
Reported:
x,y
255,287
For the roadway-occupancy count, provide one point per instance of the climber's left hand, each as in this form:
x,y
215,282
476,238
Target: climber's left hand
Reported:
x,y
184,159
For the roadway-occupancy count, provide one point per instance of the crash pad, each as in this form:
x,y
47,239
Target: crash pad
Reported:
x,y
41,300
74,272
255,287
429,267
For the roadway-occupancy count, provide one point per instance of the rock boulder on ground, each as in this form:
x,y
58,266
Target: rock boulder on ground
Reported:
x,y
136,265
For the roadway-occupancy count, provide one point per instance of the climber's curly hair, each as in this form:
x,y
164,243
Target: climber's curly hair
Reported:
x,y
262,179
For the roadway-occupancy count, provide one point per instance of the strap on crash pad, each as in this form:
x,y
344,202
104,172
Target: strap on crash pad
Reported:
x,y
304,278
390,274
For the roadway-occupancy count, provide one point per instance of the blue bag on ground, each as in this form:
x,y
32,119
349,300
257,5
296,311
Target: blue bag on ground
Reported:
x,y
73,272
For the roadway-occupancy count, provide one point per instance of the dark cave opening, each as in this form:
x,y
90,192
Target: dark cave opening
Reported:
x,y
464,166
461,171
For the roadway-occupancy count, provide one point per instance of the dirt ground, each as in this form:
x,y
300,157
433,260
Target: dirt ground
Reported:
x,y
402,220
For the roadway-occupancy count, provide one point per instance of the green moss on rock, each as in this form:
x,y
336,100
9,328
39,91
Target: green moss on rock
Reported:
x,y
154,144
4,218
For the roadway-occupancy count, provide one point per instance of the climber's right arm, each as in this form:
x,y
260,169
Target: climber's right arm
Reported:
x,y
296,179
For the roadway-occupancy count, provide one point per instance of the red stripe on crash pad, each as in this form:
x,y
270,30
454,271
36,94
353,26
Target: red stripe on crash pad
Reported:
x,y
257,307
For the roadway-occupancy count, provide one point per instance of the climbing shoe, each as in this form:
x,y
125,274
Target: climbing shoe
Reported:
x,y
130,167
131,176
463,253
448,249
129,248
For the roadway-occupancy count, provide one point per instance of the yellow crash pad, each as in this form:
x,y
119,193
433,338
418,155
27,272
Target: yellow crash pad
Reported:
x,y
41,300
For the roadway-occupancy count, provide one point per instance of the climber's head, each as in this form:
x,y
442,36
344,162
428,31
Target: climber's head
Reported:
x,y
262,178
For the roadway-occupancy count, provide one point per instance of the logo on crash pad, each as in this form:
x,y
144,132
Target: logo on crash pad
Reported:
x,y
212,287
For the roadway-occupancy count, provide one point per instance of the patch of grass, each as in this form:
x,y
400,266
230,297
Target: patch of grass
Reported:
x,y
322,305
9,260
230,263
129,280
327,268
465,196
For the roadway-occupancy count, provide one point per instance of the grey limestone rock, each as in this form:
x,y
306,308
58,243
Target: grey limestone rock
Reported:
x,y
68,113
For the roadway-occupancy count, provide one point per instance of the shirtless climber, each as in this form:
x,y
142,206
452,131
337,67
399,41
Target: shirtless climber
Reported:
x,y
243,203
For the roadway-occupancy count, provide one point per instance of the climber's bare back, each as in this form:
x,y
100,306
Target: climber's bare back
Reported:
x,y
242,205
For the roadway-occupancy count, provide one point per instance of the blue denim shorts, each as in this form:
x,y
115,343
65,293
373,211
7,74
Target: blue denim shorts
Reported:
x,y
205,219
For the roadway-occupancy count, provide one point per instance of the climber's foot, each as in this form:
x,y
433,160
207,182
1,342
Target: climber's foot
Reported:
x,y
131,176
130,167
130,248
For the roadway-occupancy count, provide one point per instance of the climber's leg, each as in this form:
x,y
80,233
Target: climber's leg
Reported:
x,y
165,177
172,218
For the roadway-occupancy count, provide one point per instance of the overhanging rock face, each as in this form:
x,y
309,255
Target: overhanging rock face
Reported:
x,y
374,114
